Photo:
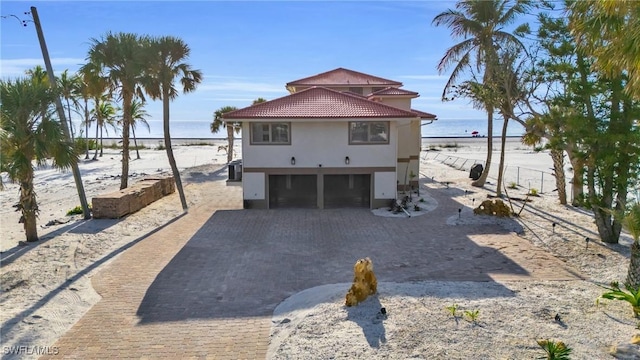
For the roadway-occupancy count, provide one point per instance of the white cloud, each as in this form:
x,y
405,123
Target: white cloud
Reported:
x,y
428,99
17,67
244,87
246,99
231,77
423,77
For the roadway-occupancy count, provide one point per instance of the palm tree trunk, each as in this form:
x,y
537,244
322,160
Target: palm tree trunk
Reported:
x,y
70,122
29,207
603,218
167,144
633,275
577,182
558,172
485,173
86,126
230,139
101,144
127,98
135,142
95,154
503,139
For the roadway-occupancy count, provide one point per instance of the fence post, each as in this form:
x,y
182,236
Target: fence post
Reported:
x,y
518,176
541,182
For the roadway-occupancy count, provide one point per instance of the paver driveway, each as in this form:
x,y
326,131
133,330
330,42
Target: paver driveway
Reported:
x,y
206,285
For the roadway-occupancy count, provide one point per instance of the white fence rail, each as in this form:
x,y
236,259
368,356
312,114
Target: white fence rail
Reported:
x,y
543,181
528,178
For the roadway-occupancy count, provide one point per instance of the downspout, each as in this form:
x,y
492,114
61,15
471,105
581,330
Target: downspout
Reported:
x,y
429,123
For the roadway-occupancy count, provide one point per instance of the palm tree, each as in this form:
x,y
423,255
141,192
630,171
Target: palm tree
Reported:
x,y
218,123
28,136
124,58
509,93
138,115
67,84
38,73
631,222
481,25
609,31
259,101
167,64
82,91
104,114
93,85
236,126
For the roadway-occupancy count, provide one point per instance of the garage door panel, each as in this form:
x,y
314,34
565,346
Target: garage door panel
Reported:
x,y
293,191
342,191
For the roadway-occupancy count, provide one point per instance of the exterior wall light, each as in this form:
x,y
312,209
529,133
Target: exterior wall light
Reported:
x,y
293,160
347,160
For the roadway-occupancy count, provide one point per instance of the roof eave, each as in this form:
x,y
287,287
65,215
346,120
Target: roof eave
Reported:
x,y
323,119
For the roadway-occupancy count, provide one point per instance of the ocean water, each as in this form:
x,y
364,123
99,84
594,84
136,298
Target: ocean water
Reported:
x,y
465,128
201,129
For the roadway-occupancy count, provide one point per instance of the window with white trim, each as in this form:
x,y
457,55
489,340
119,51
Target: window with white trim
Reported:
x,y
270,133
368,132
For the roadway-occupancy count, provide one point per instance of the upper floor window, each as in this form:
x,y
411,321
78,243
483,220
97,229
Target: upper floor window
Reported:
x,y
356,90
375,89
271,133
369,132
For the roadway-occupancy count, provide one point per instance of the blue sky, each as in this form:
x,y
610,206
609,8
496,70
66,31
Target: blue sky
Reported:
x,y
250,49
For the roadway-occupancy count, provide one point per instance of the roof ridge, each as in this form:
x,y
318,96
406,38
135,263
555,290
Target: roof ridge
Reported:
x,y
352,72
403,91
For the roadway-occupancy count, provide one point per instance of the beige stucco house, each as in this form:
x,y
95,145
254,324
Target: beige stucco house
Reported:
x,y
340,139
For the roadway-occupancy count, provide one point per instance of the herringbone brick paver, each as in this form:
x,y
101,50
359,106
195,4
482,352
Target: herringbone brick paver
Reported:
x,y
206,285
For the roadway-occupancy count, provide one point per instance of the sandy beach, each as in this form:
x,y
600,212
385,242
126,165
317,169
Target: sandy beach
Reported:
x,y
315,323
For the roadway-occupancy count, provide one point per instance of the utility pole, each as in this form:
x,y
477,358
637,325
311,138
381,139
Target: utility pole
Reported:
x,y
65,127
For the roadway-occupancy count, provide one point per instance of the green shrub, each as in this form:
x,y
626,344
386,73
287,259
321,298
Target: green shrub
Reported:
x,y
513,185
80,144
629,294
201,143
76,210
452,309
554,350
472,315
538,148
533,192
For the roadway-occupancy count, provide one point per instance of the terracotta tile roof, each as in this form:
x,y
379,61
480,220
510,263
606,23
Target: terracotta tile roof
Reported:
x,y
391,91
423,115
319,102
341,76
354,94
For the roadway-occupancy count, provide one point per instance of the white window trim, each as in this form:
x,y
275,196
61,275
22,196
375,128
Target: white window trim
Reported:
x,y
369,142
252,142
